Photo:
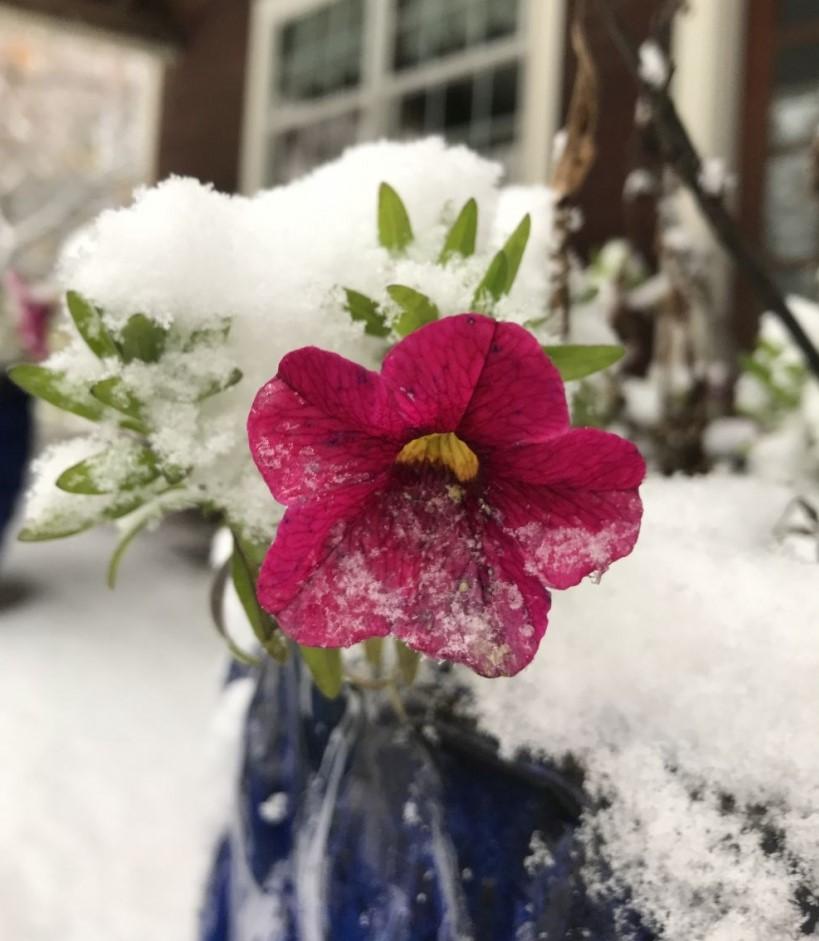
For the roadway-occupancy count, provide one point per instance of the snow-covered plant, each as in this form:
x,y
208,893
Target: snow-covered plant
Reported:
x,y
182,306
776,392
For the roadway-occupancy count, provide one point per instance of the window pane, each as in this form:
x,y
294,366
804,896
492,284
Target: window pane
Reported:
x,y
479,109
792,11
797,65
794,116
426,30
320,53
791,208
298,150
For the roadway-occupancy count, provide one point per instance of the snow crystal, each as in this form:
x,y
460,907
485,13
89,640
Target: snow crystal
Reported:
x,y
274,809
639,182
728,437
686,686
653,64
714,178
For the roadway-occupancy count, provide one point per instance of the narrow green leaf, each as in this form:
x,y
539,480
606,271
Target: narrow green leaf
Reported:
x,y
362,308
60,528
461,237
209,336
217,595
417,308
324,664
493,284
54,387
110,472
408,661
122,547
220,385
54,529
373,651
89,323
394,229
264,627
114,393
142,339
514,248
576,362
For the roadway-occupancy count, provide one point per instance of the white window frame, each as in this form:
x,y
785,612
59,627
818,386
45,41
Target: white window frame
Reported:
x,y
538,47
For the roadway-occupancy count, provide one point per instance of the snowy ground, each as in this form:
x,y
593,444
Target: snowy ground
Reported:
x,y
106,730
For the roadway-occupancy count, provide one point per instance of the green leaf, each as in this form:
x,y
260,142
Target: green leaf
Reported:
x,y
417,308
114,393
408,661
264,627
373,651
576,362
127,470
142,339
209,336
122,546
220,385
324,664
60,528
493,284
55,387
362,308
217,594
53,529
514,248
394,229
89,323
461,237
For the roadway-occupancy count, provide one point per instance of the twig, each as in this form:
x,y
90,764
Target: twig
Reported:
x,y
680,153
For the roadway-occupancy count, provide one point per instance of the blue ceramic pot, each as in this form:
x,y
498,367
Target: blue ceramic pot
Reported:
x,y
353,825
15,443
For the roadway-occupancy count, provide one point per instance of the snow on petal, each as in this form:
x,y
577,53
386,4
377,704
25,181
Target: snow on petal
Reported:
x,y
413,560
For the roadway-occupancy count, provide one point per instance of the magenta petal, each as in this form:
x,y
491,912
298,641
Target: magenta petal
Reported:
x,y
433,372
296,581
519,396
573,507
582,458
321,424
414,561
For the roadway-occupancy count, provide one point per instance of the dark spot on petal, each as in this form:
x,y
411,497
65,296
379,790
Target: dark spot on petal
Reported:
x,y
470,320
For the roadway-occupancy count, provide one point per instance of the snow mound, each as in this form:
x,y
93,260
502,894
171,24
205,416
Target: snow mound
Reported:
x,y
274,267
686,685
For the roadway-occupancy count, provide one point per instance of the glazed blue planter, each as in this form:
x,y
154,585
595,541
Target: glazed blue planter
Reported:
x,y
15,444
352,825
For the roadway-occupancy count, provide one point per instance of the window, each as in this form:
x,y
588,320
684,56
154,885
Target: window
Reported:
x,y
790,209
327,74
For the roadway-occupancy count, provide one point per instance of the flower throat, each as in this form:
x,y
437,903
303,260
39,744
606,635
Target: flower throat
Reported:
x,y
445,450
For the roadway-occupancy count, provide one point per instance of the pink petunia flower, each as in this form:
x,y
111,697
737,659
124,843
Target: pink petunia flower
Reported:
x,y
33,315
439,500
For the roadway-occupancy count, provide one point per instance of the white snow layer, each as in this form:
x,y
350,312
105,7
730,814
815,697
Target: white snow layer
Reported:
x,y
275,264
116,774
687,684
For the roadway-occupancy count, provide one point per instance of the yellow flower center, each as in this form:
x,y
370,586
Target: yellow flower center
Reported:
x,y
446,450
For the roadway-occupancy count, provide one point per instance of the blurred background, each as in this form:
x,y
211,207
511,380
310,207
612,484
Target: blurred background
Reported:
x,y
98,96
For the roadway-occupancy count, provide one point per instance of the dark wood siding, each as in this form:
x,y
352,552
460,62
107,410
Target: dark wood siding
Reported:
x,y
619,147
201,125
